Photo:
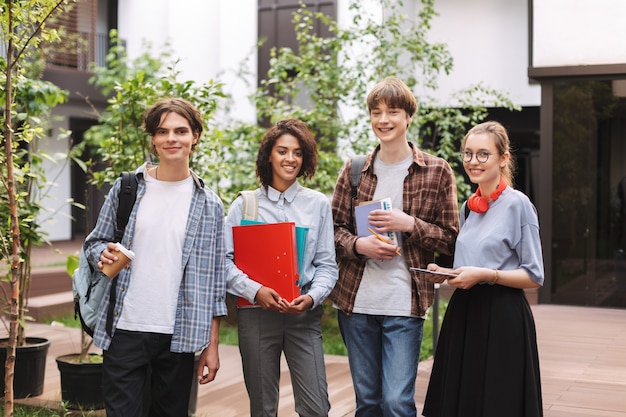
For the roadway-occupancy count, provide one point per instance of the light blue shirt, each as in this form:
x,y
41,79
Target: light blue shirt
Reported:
x,y
203,288
305,207
505,237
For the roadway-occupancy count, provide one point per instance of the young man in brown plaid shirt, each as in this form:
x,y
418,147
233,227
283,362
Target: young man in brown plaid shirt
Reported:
x,y
382,304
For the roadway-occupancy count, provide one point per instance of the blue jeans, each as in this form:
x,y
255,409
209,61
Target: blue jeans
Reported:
x,y
383,352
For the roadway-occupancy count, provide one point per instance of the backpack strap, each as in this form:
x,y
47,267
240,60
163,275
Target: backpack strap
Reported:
x,y
355,178
127,197
250,204
355,173
250,211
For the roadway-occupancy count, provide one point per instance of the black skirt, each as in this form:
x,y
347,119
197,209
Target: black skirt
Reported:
x,y
486,363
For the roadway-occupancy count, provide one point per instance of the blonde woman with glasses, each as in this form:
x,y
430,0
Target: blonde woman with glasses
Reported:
x,y
486,363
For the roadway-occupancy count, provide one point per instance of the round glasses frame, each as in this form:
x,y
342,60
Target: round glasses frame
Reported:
x,y
481,156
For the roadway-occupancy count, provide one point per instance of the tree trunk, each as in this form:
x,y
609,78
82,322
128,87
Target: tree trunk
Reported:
x,y
15,228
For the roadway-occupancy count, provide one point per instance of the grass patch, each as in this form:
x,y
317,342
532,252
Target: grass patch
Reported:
x,y
21,410
427,341
25,411
228,334
333,343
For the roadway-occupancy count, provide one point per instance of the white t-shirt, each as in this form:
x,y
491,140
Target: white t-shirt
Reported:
x,y
156,274
385,287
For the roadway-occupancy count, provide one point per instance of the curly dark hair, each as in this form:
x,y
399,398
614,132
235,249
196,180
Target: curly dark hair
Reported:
x,y
307,142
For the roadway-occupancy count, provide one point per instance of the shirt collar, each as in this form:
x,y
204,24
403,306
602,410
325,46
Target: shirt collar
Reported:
x,y
143,169
289,195
418,156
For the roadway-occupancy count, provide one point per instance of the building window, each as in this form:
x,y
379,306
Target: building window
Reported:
x,y
589,186
276,28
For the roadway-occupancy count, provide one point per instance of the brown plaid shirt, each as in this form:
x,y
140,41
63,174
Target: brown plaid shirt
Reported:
x,y
429,196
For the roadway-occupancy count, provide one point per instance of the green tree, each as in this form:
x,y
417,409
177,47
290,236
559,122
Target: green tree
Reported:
x,y
317,83
27,103
327,75
132,87
223,153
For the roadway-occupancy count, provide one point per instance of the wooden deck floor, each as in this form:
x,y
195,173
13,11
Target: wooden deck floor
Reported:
x,y
582,352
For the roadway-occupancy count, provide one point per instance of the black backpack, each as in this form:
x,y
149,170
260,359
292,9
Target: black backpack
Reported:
x,y
88,285
355,173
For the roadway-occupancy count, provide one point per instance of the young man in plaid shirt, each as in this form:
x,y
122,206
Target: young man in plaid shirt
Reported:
x,y
382,304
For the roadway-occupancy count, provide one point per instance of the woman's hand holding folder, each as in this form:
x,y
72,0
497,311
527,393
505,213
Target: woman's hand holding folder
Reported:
x,y
268,299
297,306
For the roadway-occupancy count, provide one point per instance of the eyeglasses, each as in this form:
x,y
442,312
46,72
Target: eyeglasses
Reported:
x,y
481,156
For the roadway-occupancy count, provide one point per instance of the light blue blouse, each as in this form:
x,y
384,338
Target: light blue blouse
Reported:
x,y
506,237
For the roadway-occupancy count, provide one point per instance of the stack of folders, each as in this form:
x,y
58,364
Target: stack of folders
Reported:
x,y
268,254
362,211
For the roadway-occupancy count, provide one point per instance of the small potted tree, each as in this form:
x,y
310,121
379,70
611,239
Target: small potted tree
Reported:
x,y
81,372
27,104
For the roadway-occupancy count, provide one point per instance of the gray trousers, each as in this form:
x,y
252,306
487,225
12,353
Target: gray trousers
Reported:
x,y
263,337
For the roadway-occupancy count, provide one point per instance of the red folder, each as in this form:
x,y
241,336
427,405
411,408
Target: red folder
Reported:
x,y
268,254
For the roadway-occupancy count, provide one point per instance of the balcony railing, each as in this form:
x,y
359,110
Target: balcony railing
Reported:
x,y
80,51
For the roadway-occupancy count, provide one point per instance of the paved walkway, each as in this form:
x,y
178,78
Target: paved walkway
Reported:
x,y
582,352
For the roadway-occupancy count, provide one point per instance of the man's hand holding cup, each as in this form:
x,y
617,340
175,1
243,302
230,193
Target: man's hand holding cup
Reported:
x,y
114,258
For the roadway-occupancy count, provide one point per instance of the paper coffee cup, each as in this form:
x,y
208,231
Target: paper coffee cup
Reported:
x,y
125,256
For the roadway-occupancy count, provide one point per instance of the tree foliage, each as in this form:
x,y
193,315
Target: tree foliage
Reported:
x,y
323,82
25,120
27,103
326,80
134,85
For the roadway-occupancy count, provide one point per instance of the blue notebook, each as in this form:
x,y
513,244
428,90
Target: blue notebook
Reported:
x,y
362,211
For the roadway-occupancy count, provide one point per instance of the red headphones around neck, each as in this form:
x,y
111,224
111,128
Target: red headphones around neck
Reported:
x,y
480,204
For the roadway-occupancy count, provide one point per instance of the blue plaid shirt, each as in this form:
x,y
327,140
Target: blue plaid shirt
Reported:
x,y
203,287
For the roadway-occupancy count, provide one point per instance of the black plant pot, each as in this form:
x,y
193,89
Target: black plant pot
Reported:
x,y
30,367
81,383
